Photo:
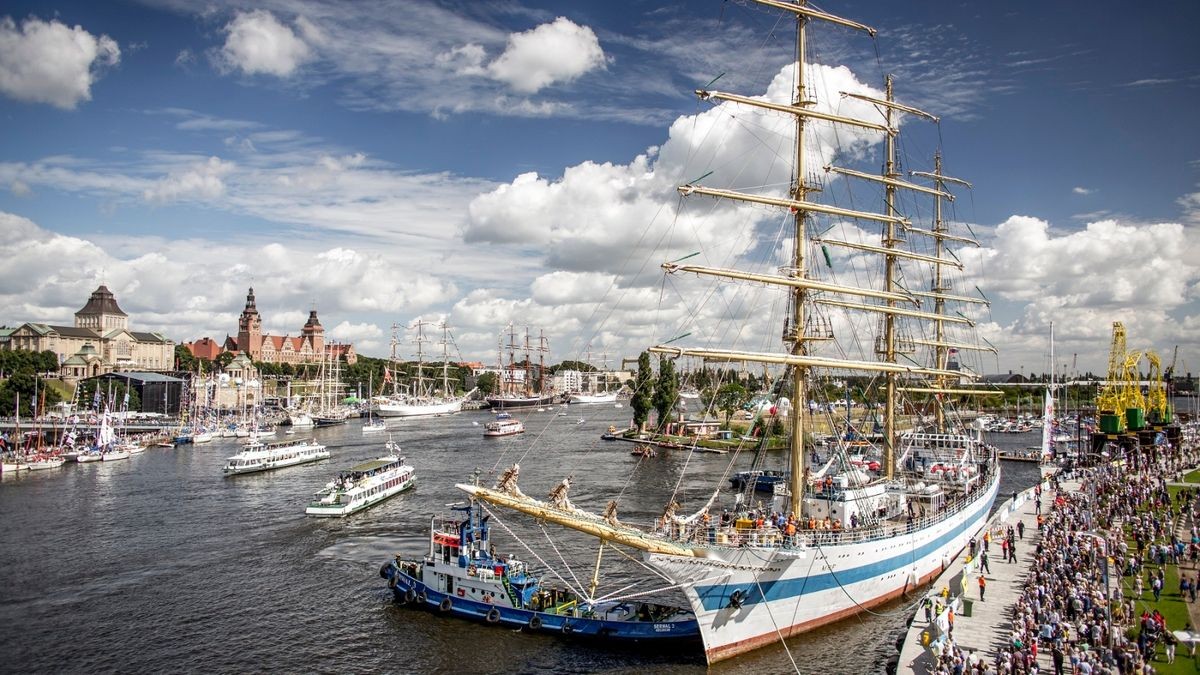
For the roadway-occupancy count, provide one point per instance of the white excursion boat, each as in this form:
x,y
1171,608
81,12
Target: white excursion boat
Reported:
x,y
850,539
264,457
301,420
364,485
503,425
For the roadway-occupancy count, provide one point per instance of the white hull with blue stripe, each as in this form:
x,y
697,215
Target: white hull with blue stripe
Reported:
x,y
747,597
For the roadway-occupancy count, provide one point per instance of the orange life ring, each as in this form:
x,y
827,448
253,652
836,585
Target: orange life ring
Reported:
x,y
461,593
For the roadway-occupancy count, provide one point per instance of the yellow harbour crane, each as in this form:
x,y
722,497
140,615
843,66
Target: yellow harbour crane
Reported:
x,y
1158,406
1110,403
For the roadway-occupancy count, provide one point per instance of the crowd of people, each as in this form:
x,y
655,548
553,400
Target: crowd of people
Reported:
x,y
1081,601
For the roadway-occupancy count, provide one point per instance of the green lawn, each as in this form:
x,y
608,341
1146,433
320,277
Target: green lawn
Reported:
x,y
1192,476
1171,605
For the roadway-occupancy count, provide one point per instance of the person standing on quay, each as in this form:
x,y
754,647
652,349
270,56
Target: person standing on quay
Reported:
x,y
1012,551
983,562
982,587
1021,529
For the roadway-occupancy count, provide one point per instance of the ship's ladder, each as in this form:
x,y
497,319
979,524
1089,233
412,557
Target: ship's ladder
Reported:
x,y
512,597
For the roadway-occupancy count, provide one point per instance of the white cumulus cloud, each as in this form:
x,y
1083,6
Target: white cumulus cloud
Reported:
x,y
200,181
49,62
257,42
1082,190
559,51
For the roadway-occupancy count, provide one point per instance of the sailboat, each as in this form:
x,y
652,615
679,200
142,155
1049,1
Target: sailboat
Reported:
x,y
422,400
517,388
373,423
849,540
606,395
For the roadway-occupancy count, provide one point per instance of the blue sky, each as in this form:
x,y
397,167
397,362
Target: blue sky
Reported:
x,y
376,160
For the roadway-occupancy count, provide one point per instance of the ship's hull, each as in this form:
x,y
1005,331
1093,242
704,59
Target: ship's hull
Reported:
x,y
745,598
407,589
318,508
419,409
511,402
610,397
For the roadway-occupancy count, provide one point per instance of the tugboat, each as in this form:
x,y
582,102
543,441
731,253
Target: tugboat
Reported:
x,y
463,576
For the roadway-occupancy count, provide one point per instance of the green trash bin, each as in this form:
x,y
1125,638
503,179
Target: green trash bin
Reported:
x,y
966,606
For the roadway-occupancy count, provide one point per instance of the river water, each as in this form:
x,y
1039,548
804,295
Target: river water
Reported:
x,y
161,563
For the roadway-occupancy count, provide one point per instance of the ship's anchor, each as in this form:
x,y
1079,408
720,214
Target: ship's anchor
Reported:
x,y
735,600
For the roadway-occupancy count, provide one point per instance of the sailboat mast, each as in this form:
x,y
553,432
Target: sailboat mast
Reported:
x,y
799,294
889,319
445,360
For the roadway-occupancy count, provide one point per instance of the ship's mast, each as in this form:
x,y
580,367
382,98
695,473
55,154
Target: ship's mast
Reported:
x,y
800,192
889,271
939,303
445,360
420,340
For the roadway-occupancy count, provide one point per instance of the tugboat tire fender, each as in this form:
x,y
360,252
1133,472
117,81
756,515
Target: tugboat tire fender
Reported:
x,y
567,628
410,595
383,571
446,604
421,597
392,580
493,615
535,622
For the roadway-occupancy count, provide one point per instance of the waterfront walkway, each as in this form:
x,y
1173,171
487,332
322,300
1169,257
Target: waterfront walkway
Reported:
x,y
986,625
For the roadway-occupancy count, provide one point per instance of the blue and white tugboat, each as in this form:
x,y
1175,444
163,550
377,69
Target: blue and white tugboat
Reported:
x,y
462,575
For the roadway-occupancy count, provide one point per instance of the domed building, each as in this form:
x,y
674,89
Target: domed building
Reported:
x,y
100,338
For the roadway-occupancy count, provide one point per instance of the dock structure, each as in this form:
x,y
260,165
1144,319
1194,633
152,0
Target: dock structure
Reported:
x,y
983,627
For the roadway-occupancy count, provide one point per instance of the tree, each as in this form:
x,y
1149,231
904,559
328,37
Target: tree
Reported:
x,y
112,393
666,391
488,383
643,392
224,358
25,385
729,398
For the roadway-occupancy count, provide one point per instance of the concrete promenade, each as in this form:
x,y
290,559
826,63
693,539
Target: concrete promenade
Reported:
x,y
989,624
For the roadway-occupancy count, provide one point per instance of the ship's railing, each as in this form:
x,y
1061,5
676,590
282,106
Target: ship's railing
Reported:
x,y
772,537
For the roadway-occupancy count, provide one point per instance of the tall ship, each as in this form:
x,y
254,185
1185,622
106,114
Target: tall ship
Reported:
x,y
423,398
522,385
256,457
364,485
866,296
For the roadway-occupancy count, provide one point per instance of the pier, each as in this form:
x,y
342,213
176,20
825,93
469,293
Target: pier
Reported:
x,y
980,627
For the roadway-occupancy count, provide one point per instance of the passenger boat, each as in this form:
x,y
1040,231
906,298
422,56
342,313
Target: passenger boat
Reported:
x,y
462,576
503,425
364,485
266,456
900,324
114,454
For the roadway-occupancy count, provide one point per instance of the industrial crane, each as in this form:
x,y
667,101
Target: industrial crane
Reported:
x,y
1110,403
